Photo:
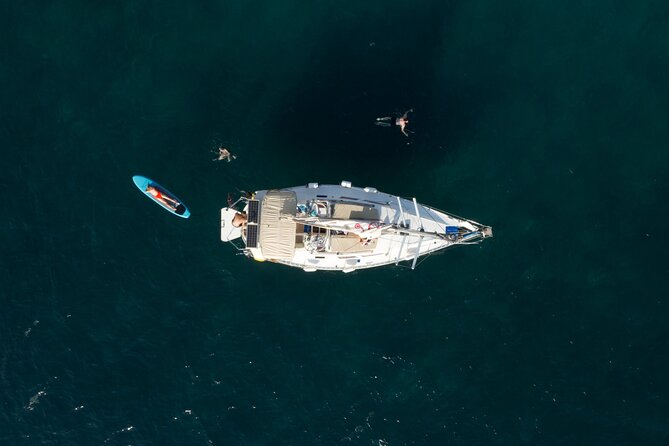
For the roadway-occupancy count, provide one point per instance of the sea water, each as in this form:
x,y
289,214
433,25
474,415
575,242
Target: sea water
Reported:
x,y
122,324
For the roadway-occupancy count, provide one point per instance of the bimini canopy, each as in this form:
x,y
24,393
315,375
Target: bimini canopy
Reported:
x,y
277,228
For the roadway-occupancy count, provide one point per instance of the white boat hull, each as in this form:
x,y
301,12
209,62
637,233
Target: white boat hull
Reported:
x,y
378,229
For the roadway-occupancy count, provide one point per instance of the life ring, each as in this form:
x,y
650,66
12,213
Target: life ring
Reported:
x,y
358,226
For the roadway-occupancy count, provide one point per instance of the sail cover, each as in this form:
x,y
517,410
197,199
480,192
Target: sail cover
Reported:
x,y
277,234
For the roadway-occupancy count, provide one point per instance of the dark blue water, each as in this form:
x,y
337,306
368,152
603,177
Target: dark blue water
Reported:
x,y
121,324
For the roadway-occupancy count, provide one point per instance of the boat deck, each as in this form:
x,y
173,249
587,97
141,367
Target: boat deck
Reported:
x,y
317,248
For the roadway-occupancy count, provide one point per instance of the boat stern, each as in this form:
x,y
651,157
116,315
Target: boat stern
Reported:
x,y
228,231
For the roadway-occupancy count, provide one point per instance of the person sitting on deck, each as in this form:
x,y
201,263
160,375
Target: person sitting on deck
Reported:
x,y
239,219
167,201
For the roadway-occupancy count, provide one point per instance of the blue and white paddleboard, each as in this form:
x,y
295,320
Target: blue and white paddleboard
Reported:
x,y
166,199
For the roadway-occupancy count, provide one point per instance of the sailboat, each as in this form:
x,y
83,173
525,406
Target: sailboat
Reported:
x,y
341,228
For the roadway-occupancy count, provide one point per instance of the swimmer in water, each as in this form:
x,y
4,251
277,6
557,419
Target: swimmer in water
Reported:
x,y
224,154
401,122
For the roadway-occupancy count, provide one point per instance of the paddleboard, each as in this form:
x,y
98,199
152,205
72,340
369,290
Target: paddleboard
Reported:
x,y
167,200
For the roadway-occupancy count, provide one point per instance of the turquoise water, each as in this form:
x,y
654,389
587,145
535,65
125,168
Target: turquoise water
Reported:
x,y
122,324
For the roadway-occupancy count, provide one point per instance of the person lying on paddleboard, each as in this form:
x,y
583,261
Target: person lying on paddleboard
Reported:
x,y
167,201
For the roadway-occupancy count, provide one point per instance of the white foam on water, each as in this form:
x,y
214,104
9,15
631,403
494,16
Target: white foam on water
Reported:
x,y
34,400
125,429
